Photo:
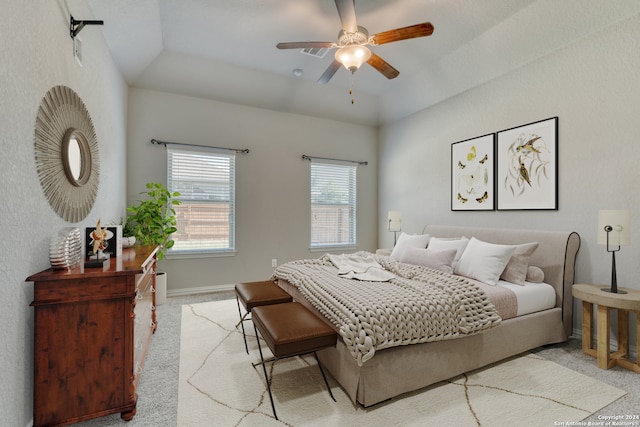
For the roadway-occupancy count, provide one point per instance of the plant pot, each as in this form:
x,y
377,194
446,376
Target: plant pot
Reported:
x,y
128,242
161,288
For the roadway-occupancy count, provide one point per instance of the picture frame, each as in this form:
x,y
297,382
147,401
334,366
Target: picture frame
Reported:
x,y
527,166
112,243
473,174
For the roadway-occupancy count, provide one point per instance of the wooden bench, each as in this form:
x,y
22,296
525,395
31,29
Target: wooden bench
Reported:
x,y
255,294
289,329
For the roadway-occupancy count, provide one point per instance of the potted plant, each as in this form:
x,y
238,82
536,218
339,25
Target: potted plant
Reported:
x,y
153,220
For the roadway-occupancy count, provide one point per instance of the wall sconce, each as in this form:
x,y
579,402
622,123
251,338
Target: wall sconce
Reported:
x,y
613,230
395,224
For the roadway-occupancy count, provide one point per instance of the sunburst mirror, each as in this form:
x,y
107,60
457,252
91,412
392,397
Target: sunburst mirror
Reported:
x,y
66,152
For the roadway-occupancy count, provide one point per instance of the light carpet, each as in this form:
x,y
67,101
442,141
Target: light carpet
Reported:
x,y
219,386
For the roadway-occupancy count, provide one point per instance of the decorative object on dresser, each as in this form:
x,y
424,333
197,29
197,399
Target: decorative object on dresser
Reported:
x,y
625,303
527,166
65,249
92,328
613,230
153,220
102,243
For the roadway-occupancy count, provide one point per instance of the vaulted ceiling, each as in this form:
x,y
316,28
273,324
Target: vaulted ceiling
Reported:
x,y
226,49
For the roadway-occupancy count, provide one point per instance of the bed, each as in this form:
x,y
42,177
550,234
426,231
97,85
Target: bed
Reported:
x,y
393,371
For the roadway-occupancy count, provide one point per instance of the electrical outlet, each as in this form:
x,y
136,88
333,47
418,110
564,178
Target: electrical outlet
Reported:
x,y
274,263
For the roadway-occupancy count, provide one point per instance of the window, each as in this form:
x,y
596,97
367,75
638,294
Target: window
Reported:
x,y
205,216
333,204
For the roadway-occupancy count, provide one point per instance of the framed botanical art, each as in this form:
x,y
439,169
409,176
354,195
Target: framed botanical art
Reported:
x,y
527,166
472,174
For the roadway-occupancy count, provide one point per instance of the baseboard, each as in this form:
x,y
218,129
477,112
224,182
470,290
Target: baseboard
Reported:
x,y
633,353
200,290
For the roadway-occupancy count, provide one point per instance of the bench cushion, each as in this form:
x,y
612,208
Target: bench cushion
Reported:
x,y
254,294
290,329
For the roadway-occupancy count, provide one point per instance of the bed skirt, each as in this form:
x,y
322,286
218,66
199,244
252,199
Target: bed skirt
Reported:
x,y
399,370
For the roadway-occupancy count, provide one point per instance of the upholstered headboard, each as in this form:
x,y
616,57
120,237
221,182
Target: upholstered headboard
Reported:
x,y
555,255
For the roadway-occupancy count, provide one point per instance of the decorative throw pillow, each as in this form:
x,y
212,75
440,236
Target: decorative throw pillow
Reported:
x,y
439,260
516,269
484,261
535,274
439,244
409,241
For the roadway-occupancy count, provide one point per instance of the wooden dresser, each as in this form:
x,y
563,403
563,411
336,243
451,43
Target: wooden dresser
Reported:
x,y
92,329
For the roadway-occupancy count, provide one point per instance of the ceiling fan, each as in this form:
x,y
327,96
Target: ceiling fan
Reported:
x,y
353,40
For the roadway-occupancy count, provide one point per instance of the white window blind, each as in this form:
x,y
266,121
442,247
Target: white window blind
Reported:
x,y
206,214
333,204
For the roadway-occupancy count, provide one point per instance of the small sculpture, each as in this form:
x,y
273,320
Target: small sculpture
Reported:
x,y
99,243
99,237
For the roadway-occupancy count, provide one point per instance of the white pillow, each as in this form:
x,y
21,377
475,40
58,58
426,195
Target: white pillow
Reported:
x,y
409,241
439,260
436,244
484,261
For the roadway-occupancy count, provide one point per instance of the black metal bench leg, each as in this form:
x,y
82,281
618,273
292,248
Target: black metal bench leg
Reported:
x,y
244,335
324,376
264,369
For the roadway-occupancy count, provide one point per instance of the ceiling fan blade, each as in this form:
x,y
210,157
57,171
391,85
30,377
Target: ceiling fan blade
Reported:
x,y
410,32
383,66
347,12
302,45
329,72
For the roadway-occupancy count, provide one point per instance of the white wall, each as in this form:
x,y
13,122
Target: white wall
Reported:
x,y
36,53
272,187
592,86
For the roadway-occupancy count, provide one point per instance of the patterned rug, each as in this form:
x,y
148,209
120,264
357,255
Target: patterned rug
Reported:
x,y
219,386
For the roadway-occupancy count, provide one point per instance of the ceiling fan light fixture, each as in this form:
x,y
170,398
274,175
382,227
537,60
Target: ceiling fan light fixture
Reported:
x,y
353,56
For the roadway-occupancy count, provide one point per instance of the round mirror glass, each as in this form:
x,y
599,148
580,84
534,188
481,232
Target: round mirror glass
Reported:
x,y
73,153
76,157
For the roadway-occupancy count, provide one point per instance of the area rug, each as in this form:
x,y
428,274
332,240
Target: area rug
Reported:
x,y
219,386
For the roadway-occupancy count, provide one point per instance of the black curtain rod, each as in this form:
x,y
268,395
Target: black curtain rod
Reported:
x,y
305,157
165,143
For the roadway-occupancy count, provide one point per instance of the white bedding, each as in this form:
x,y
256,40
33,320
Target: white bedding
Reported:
x,y
532,297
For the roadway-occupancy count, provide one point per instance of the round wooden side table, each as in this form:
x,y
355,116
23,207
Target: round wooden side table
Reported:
x,y
625,304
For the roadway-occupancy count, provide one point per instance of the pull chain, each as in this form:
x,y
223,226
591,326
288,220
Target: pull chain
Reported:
x,y
351,87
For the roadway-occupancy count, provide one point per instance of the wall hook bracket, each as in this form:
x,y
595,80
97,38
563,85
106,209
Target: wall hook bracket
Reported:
x,y
76,26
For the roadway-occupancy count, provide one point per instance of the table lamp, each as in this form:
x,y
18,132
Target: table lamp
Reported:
x,y
613,230
395,224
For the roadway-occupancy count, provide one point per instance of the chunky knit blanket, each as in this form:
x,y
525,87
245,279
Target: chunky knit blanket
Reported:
x,y
419,305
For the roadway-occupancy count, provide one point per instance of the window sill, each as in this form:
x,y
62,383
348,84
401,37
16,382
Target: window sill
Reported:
x,y
333,248
196,255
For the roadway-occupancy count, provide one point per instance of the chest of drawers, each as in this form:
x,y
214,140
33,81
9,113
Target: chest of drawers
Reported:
x,y
92,328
